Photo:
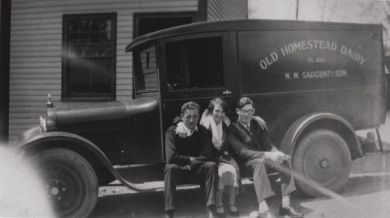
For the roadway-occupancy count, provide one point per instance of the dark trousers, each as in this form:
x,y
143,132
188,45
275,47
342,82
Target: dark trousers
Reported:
x,y
258,168
201,172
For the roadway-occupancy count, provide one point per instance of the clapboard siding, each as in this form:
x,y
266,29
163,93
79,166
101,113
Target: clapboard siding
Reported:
x,y
24,37
227,9
98,7
34,43
24,65
36,26
36,46
37,31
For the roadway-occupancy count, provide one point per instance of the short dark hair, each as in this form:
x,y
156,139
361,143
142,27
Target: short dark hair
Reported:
x,y
214,102
189,106
244,101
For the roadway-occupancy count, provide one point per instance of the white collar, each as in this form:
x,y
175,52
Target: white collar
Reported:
x,y
183,131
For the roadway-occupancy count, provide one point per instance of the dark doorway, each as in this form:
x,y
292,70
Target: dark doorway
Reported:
x,y
5,14
150,22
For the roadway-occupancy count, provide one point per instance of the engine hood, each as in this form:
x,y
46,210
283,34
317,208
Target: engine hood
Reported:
x,y
96,114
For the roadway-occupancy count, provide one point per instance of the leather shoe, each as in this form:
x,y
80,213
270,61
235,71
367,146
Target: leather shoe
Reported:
x,y
211,211
220,211
289,211
233,210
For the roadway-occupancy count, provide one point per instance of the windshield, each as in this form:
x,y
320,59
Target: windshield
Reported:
x,y
145,69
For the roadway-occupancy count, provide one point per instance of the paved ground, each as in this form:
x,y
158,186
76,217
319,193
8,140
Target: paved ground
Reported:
x,y
367,194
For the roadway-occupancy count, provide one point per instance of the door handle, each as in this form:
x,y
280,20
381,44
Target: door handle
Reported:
x,y
227,92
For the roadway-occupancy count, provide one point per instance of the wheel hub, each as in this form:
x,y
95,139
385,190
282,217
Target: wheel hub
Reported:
x,y
324,163
57,190
54,191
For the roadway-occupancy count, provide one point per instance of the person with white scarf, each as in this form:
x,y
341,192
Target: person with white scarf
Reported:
x,y
215,120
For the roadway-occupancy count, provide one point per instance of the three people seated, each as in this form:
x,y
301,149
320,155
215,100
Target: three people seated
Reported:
x,y
213,151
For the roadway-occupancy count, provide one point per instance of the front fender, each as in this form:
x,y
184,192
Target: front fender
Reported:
x,y
298,128
36,140
76,143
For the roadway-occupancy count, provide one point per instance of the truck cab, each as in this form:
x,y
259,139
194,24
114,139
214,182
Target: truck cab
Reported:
x,y
315,84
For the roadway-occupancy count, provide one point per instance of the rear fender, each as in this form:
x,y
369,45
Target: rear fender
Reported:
x,y
82,146
326,120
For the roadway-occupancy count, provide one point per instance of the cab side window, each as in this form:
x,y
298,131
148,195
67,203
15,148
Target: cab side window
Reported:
x,y
194,64
146,78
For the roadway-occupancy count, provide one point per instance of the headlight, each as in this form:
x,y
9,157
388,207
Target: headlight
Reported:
x,y
42,122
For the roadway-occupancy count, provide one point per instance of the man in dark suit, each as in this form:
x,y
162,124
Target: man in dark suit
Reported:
x,y
255,151
189,154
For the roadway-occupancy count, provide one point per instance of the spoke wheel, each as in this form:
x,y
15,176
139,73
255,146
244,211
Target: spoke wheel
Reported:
x,y
324,157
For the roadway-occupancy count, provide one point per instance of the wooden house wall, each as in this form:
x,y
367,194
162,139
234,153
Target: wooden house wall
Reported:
x,y
36,47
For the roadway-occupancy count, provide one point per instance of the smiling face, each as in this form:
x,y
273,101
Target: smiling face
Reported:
x,y
218,113
190,118
245,114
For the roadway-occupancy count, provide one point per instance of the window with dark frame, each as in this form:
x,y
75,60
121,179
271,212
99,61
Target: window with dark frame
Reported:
x,y
144,59
89,56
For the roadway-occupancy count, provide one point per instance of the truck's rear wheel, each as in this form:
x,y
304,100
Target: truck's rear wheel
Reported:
x,y
322,156
70,180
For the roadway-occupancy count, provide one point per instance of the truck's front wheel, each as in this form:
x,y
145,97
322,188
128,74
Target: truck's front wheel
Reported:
x,y
322,156
70,180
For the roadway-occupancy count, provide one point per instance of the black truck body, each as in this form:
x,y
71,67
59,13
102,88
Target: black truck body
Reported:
x,y
314,84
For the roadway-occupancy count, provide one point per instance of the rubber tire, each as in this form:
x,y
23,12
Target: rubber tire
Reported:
x,y
308,161
74,173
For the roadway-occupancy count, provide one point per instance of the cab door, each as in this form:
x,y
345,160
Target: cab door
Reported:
x,y
197,67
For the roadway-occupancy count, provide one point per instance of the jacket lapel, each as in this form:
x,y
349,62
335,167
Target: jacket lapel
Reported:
x,y
223,133
249,137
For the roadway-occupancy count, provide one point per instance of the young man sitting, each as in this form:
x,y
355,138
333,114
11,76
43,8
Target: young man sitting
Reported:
x,y
189,153
255,151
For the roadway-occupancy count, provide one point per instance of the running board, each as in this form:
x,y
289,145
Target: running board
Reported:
x,y
144,177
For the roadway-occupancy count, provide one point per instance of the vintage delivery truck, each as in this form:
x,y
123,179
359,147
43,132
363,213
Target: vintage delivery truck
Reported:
x,y
315,84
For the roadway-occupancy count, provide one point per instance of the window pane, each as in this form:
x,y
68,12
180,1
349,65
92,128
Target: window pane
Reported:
x,y
92,50
74,37
89,56
146,69
195,63
84,37
89,30
105,36
85,24
90,75
101,78
79,77
73,26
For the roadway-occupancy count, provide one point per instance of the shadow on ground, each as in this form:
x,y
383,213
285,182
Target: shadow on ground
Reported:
x,y
370,176
190,203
